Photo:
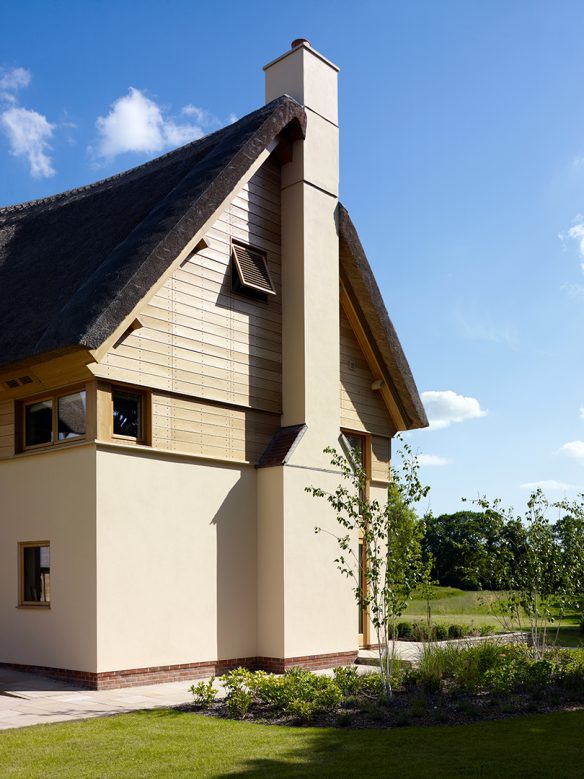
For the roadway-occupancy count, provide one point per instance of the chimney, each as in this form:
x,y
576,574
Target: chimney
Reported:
x,y
310,251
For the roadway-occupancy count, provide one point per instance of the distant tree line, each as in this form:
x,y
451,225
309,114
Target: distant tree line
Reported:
x,y
483,550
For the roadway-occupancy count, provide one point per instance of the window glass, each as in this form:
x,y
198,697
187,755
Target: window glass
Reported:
x,y
356,444
127,414
38,423
36,574
71,416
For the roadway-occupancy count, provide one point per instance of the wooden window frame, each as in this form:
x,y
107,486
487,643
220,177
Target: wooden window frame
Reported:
x,y
54,398
22,603
366,438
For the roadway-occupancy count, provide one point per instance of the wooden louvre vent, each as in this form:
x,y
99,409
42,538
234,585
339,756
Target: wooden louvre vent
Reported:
x,y
252,269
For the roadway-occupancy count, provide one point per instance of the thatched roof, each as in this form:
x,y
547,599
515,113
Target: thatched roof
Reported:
x,y
73,266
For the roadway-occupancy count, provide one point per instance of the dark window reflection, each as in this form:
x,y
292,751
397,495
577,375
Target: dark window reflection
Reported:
x,y
127,414
36,564
38,423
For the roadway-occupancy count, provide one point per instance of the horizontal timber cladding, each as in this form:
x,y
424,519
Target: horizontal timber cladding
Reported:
x,y
192,426
198,337
362,408
7,428
380,458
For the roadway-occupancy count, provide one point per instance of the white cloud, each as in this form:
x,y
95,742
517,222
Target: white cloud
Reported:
x,y
11,80
581,412
28,134
432,459
550,485
575,233
445,406
136,123
573,449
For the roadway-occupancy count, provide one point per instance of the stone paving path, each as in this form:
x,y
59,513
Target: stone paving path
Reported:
x,y
28,699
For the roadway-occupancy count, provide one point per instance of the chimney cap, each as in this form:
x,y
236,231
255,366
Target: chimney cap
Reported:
x,y
298,42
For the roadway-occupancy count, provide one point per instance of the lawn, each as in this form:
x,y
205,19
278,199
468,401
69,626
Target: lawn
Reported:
x,y
474,607
166,743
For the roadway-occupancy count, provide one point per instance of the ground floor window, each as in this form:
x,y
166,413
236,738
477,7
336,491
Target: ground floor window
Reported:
x,y
35,573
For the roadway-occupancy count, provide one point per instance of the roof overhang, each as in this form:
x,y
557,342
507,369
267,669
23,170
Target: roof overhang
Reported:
x,y
365,309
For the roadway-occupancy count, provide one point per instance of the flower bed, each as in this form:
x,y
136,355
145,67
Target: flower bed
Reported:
x,y
451,684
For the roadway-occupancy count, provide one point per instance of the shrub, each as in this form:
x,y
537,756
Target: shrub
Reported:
x,y
348,679
472,663
433,668
404,629
238,702
441,632
486,630
455,631
423,632
204,693
239,684
371,685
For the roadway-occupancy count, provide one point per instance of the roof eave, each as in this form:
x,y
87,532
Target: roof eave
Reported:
x,y
366,297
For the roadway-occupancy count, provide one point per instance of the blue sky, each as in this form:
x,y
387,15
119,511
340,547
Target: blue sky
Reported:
x,y
462,164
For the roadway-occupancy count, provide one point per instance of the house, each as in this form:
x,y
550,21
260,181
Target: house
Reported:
x,y
178,345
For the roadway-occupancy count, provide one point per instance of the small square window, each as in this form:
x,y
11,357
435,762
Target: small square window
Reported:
x,y
38,423
127,414
35,574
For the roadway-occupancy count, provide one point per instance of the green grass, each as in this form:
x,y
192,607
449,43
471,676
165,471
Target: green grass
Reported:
x,y
474,607
167,743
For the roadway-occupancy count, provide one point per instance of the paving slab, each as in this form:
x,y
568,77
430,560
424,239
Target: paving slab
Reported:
x,y
28,699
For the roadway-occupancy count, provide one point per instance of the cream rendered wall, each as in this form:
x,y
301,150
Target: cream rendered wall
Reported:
x,y
176,542
270,565
319,607
50,496
305,606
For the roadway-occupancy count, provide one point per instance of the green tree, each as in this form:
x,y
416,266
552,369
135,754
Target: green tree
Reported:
x,y
463,546
392,565
540,564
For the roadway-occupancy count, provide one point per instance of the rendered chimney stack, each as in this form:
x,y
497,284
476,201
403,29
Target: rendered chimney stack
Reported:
x,y
310,249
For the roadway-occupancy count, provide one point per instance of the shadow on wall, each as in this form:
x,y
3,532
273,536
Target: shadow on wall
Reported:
x,y
236,567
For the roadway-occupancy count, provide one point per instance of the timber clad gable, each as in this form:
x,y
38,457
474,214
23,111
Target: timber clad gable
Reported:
x,y
213,357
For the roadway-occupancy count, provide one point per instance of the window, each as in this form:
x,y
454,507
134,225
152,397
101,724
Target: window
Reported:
x,y
55,419
354,446
35,574
127,410
250,274
356,451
